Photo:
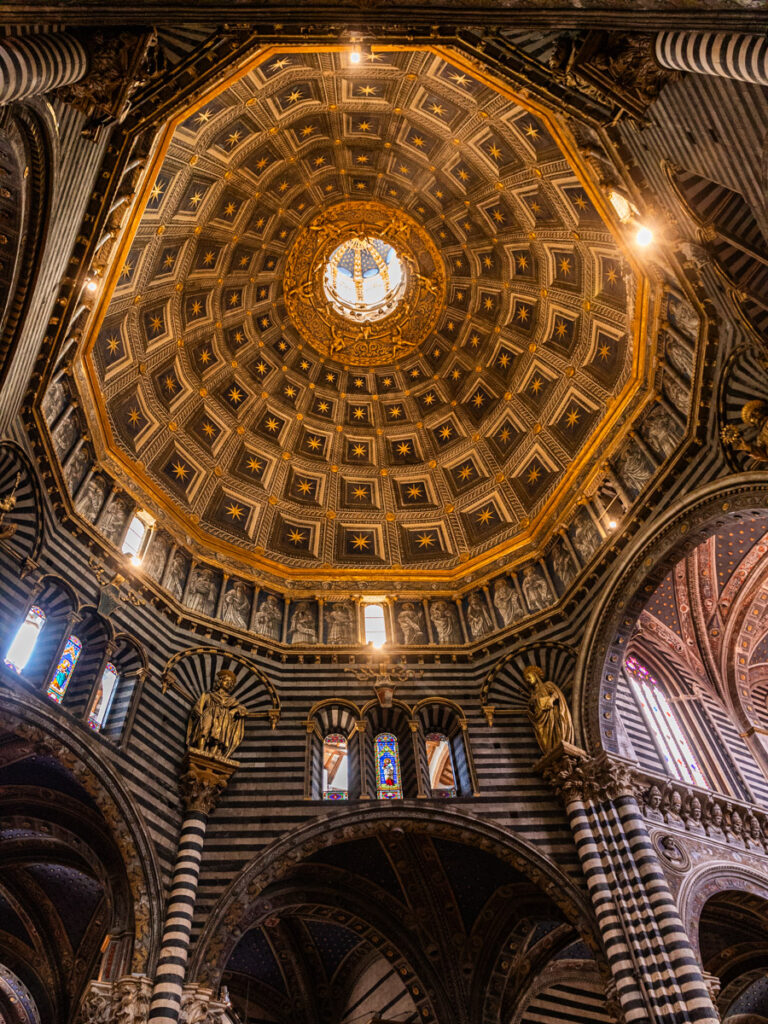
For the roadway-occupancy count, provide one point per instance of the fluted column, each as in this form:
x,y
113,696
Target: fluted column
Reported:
x,y
657,977
34,64
736,55
202,781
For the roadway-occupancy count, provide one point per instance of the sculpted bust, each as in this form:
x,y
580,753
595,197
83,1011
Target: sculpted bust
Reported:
x,y
216,721
547,711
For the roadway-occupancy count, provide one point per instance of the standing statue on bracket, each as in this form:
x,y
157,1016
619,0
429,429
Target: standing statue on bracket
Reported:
x,y
754,414
547,711
216,721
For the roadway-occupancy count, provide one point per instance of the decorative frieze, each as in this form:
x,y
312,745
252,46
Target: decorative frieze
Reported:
x,y
699,812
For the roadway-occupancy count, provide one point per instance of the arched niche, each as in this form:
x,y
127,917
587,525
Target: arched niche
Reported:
x,y
439,717
21,529
392,721
191,672
332,718
25,157
725,908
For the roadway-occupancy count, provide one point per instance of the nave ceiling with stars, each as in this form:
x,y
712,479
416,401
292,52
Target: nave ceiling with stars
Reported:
x,y
459,428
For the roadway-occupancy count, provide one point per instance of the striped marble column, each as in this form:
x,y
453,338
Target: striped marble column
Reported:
x,y
202,781
725,54
656,975
38,63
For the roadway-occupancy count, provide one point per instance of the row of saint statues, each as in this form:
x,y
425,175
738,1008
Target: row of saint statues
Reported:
x,y
217,720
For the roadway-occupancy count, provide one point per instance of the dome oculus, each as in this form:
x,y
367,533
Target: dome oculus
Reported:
x,y
364,279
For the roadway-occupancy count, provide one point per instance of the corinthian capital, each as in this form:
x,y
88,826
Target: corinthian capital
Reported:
x,y
203,780
576,776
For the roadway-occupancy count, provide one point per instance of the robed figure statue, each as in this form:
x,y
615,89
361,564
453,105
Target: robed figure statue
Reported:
x,y
216,721
547,711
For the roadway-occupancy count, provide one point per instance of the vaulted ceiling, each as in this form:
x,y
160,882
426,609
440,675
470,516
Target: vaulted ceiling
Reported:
x,y
275,432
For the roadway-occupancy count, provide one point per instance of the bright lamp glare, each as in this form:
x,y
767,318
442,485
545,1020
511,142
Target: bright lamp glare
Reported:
x,y
354,57
92,285
612,524
644,236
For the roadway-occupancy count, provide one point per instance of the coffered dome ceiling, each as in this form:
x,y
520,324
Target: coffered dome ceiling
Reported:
x,y
366,317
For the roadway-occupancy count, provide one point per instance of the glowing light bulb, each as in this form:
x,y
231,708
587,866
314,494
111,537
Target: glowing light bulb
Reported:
x,y
612,524
644,236
91,285
355,56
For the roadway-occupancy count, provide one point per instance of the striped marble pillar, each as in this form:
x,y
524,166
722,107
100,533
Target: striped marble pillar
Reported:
x,y
656,975
38,63
736,55
202,781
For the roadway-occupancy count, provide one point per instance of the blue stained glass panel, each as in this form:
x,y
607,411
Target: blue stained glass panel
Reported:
x,y
58,685
388,785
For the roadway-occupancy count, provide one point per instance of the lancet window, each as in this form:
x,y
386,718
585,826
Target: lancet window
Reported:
x,y
24,642
663,725
388,785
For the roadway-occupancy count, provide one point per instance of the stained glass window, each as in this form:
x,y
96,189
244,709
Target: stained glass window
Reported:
x,y
103,699
26,637
442,781
58,685
663,726
335,760
387,767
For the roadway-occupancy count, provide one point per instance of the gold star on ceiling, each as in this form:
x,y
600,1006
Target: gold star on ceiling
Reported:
x,y
425,540
236,511
296,536
254,465
360,542
358,451
404,448
208,429
314,443
235,395
360,493
572,418
113,343
485,516
414,491
180,470
271,425
133,417
305,486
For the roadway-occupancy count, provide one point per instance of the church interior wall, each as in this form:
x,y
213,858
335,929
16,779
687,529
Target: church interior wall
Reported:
x,y
498,899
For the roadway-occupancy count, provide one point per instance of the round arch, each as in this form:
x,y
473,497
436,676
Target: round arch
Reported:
x,y
47,733
710,880
224,925
638,571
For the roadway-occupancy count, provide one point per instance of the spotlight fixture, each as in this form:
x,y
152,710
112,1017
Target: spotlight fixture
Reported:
x,y
644,236
91,284
355,56
612,524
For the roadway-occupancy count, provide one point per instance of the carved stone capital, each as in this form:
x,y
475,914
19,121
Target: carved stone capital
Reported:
x,y
198,1006
576,776
203,780
125,1001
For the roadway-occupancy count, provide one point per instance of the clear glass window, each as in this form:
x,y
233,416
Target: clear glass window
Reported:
x,y
69,658
375,625
134,537
663,725
388,785
104,696
24,642
442,780
335,767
